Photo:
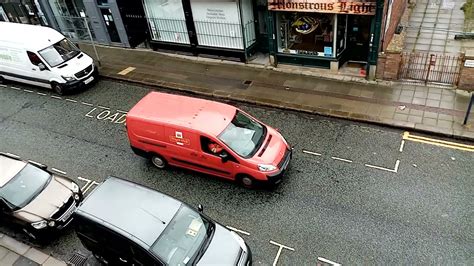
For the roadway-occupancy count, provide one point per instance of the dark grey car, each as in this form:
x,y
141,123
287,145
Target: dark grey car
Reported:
x,y
122,222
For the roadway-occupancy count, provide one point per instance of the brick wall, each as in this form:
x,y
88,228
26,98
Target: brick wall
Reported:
x,y
466,81
398,9
388,66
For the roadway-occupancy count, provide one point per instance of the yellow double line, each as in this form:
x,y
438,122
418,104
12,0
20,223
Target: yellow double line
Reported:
x,y
438,142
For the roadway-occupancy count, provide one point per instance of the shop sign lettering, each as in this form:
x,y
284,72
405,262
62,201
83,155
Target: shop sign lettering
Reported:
x,y
321,6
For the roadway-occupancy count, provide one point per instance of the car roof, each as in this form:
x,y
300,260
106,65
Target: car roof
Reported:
x,y
199,114
9,167
130,209
31,37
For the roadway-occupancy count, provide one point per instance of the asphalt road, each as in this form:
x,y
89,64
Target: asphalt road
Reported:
x,y
350,196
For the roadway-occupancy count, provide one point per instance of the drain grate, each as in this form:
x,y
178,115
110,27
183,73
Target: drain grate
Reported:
x,y
77,259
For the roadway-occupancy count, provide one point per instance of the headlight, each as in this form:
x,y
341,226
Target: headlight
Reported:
x,y
74,187
51,223
239,240
40,224
68,78
266,167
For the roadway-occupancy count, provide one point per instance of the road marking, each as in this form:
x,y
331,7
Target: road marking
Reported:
x,y
73,101
312,153
103,107
121,111
341,159
1,85
40,93
89,184
237,230
395,170
126,71
279,251
29,91
15,88
402,145
329,261
58,171
88,104
438,142
56,97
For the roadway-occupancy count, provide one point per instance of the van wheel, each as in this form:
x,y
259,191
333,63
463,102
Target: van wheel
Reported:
x,y
246,181
158,161
57,88
2,80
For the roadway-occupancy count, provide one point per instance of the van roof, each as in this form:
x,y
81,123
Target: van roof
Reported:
x,y
32,37
130,209
199,114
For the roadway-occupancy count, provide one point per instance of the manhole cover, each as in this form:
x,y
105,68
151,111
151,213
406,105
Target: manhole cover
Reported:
x,y
77,259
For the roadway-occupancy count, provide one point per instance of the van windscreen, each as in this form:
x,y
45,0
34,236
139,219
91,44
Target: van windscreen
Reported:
x,y
59,52
243,135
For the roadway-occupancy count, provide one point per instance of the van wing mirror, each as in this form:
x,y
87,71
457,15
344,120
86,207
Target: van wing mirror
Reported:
x,y
41,66
200,208
224,156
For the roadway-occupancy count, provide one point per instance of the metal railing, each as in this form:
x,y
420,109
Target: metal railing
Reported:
x,y
208,33
431,68
74,28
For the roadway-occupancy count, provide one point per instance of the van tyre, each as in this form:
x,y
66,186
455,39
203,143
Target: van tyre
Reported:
x,y
158,161
57,88
2,80
246,181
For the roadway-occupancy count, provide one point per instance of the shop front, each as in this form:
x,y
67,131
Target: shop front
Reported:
x,y
322,33
219,27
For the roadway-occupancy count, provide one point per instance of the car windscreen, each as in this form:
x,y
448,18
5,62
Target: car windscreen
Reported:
x,y
243,135
59,52
183,238
25,186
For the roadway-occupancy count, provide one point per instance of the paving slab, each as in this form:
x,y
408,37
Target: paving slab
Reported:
x,y
13,245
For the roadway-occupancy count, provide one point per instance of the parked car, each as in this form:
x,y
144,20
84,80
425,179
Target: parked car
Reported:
x,y
42,56
207,136
122,222
34,198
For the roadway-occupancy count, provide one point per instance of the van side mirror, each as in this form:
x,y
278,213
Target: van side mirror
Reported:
x,y
77,45
42,66
224,156
200,208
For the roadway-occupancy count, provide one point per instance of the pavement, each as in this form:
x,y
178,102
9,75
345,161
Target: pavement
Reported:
x,y
13,252
435,110
433,25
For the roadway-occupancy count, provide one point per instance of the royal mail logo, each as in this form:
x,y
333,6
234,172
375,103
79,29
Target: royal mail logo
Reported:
x,y
321,6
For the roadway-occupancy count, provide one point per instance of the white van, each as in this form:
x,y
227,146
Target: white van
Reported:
x,y
43,57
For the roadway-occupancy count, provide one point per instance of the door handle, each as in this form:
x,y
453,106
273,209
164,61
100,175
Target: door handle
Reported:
x,y
194,154
33,69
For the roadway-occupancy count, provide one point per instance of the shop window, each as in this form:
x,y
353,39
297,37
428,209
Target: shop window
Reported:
x,y
306,33
166,20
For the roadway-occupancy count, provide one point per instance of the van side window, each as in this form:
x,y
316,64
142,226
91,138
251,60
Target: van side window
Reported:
x,y
34,58
211,147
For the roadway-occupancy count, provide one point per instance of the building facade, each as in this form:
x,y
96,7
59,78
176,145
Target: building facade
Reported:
x,y
325,34
220,27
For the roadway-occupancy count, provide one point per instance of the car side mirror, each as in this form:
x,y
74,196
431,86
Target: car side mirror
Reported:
x,y
200,208
41,66
224,156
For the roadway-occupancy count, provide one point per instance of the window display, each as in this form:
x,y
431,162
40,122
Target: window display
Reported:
x,y
166,20
306,33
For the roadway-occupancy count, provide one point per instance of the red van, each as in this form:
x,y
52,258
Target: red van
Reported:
x,y
207,136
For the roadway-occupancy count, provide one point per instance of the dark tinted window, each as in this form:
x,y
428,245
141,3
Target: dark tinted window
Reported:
x,y
34,59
